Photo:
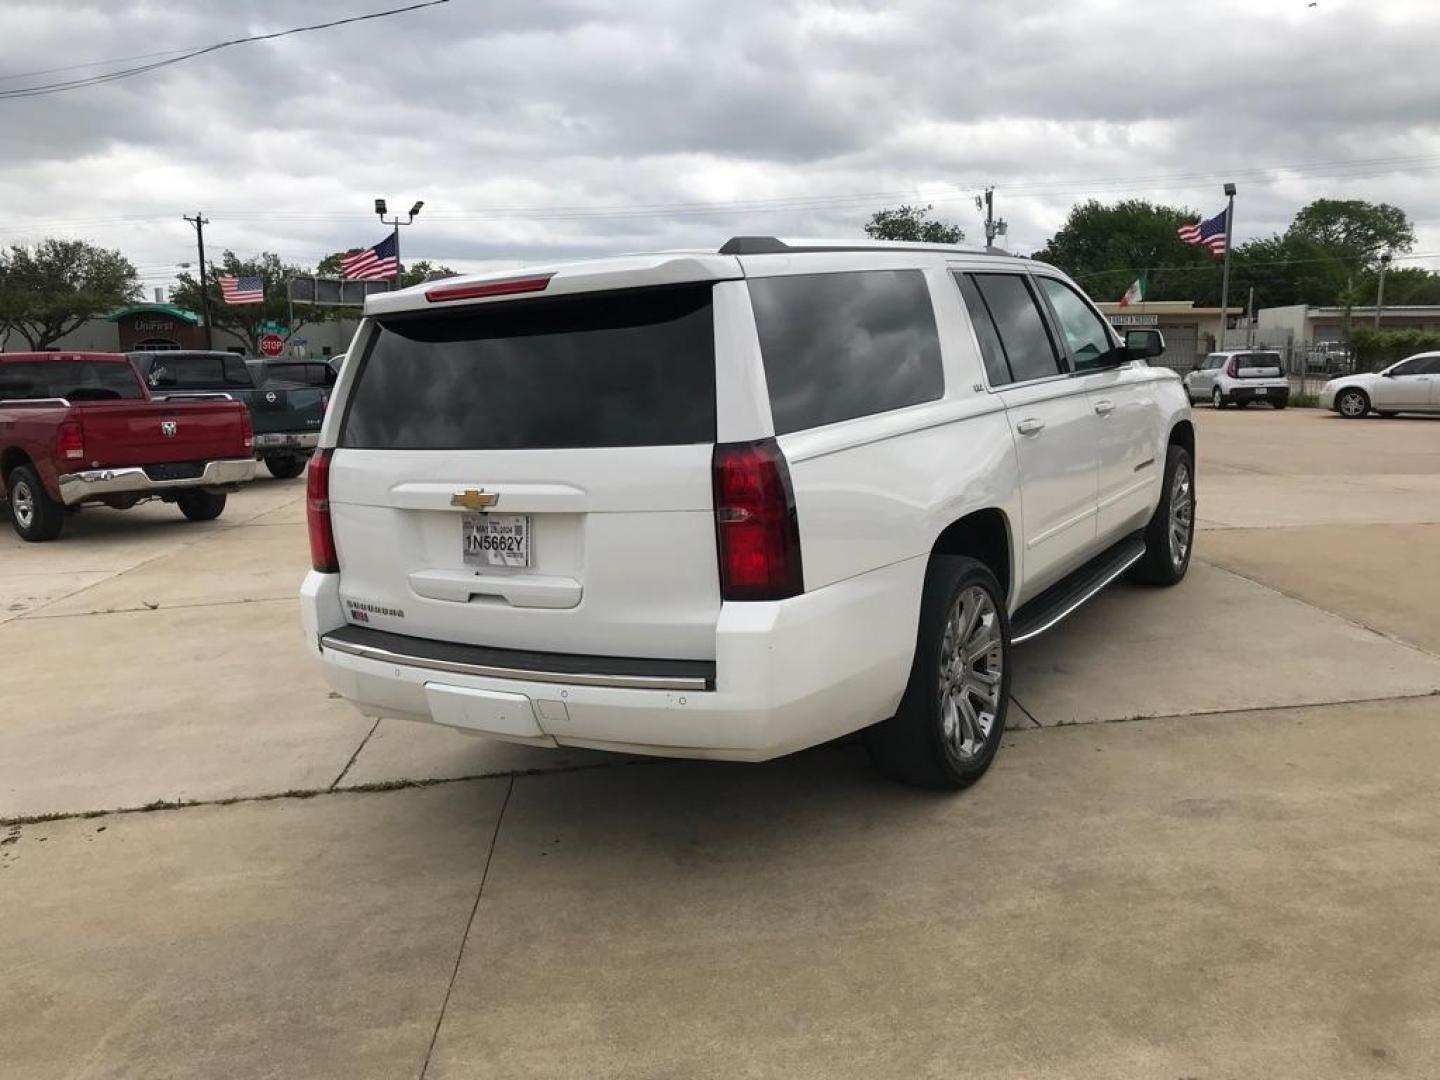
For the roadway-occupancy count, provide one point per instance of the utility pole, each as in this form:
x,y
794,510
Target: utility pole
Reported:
x,y
200,221
993,228
1380,290
1225,274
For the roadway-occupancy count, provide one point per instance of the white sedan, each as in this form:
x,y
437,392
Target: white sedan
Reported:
x,y
1412,385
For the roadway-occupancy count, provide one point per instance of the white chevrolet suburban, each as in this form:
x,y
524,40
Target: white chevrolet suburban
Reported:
x,y
731,504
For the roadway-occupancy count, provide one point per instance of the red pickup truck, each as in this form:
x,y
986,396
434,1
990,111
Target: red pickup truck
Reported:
x,y
82,428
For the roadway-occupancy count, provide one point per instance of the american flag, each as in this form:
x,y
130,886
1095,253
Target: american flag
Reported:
x,y
1210,232
242,290
373,264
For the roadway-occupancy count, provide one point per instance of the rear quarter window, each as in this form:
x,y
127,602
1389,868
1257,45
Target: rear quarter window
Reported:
x,y
631,368
841,346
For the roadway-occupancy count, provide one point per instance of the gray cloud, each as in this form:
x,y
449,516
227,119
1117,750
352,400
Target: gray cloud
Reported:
x,y
480,108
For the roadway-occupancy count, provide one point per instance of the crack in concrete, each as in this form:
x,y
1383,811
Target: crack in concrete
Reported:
x,y
460,953
336,782
34,617
1393,639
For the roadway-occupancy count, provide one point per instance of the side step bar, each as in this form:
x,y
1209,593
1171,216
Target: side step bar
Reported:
x,y
1059,600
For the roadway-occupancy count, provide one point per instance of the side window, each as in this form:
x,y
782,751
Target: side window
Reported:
x,y
1020,325
1409,367
991,351
1430,365
838,346
1214,363
1088,337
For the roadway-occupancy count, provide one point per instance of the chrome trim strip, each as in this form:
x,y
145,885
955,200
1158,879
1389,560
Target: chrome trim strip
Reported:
x,y
1069,610
35,401
633,682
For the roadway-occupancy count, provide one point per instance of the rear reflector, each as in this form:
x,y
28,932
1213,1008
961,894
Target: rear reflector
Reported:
x,y
69,441
323,556
757,532
247,429
481,289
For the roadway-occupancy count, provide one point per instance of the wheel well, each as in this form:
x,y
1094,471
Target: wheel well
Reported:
x,y
1183,435
11,459
983,535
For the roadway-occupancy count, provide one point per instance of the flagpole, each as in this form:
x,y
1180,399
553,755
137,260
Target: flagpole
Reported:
x,y
1225,273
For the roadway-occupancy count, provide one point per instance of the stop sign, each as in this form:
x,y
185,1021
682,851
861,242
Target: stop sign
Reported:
x,y
272,345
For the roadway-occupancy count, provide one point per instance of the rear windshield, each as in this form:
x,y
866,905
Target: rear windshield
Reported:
x,y
197,371
74,380
634,368
1247,361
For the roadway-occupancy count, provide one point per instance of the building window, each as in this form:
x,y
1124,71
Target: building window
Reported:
x,y
156,344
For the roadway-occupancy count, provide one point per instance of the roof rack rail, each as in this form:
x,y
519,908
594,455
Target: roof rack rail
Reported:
x,y
771,245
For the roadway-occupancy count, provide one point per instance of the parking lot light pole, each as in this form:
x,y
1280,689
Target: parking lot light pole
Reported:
x,y
1225,273
395,224
1380,289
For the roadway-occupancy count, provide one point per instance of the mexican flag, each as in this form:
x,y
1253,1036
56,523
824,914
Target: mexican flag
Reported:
x,y
1135,294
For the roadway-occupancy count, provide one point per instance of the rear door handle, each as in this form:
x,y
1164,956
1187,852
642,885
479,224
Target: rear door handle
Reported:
x,y
1031,426
1105,407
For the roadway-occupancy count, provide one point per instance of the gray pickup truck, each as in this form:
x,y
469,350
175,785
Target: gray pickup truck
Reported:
x,y
286,416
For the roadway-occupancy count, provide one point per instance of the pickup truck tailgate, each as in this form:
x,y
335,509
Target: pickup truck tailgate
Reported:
x,y
278,408
135,433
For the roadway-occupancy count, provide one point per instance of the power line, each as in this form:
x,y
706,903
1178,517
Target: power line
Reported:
x,y
125,73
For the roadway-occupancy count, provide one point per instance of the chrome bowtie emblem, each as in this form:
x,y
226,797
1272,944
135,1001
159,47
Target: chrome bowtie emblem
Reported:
x,y
168,428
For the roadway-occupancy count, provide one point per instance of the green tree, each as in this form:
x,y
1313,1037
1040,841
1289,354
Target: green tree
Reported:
x,y
1336,243
246,320
1105,247
48,290
912,223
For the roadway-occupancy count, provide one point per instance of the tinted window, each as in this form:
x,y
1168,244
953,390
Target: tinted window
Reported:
x,y
196,371
1086,334
838,346
1257,360
1430,365
1022,330
991,351
607,369
75,380
1212,363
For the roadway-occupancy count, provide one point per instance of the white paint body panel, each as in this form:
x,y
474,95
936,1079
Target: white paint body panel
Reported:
x,y
624,561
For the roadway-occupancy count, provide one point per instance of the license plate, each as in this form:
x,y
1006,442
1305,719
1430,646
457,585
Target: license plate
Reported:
x,y
495,539
1261,390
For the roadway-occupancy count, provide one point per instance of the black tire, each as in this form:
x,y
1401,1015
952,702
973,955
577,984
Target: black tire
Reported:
x,y
1361,403
36,516
1280,403
1160,564
913,746
201,505
285,466
1217,398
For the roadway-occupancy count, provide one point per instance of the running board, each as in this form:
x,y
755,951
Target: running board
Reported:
x,y
1059,600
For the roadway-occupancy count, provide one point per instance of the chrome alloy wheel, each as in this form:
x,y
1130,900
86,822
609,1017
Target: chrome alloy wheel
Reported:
x,y
972,666
22,504
1182,515
1352,404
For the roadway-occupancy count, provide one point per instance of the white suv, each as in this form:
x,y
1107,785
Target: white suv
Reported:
x,y
1240,377
731,504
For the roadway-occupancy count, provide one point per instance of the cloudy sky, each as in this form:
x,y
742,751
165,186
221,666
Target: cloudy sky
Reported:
x,y
538,129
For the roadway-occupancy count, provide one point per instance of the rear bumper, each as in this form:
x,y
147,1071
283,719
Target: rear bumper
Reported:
x,y
1258,393
786,675
96,483
302,440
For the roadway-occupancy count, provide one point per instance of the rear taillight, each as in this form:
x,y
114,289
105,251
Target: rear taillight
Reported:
x,y
317,514
247,429
70,441
756,528
1233,368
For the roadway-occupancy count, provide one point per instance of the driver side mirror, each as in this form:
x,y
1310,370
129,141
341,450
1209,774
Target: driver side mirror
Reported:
x,y
1142,344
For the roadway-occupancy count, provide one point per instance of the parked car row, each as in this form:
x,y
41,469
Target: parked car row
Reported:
x,y
1247,376
105,428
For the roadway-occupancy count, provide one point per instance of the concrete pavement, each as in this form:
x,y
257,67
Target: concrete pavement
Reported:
x,y
1230,894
